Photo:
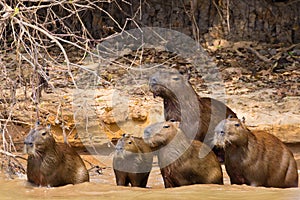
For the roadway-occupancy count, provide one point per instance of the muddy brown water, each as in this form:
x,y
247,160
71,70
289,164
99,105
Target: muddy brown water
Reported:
x,y
102,186
20,189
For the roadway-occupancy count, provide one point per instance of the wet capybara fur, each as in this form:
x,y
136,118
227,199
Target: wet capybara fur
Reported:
x,y
132,161
255,158
52,164
181,160
198,116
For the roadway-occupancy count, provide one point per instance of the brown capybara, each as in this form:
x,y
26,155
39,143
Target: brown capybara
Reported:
x,y
255,158
132,161
198,116
181,160
52,164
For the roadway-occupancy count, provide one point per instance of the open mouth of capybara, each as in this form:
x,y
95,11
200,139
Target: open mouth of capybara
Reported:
x,y
161,91
219,140
156,89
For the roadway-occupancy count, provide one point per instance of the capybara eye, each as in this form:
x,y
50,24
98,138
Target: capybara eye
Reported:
x,y
237,125
172,120
176,78
44,133
129,142
166,126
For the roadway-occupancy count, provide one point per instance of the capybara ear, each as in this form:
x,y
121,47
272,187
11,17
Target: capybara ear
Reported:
x,y
48,127
126,135
131,137
243,120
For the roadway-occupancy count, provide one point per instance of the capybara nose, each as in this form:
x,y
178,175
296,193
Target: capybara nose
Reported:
x,y
28,143
146,134
119,149
119,146
222,133
153,80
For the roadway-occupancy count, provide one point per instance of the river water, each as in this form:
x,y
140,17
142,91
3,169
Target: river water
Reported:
x,y
102,186
20,189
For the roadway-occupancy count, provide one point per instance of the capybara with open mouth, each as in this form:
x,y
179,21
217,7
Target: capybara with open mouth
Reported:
x,y
198,116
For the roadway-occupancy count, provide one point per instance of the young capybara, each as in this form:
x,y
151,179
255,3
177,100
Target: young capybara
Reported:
x,y
182,161
52,164
255,158
132,161
198,116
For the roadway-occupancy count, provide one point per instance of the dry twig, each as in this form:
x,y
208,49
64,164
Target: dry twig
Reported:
x,y
41,36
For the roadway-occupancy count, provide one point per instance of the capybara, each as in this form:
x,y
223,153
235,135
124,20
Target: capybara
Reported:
x,y
132,161
198,116
255,158
182,161
52,164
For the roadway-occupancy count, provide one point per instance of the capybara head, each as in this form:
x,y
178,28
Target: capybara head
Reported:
x,y
160,134
165,83
126,144
38,140
180,100
231,131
